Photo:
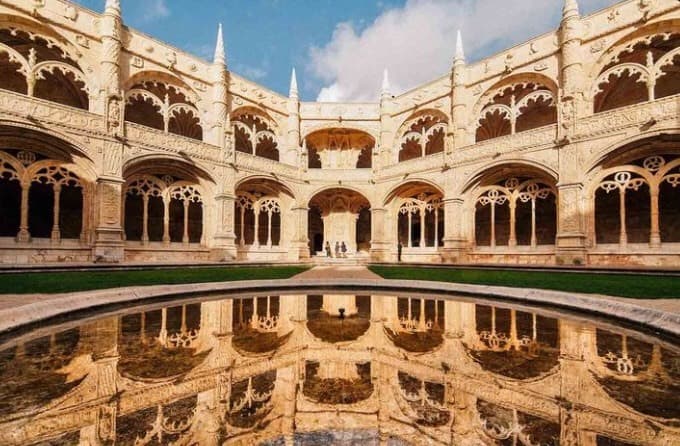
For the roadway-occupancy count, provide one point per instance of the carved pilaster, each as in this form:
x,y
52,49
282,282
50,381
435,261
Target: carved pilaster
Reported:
x,y
455,243
108,245
299,245
225,238
380,241
111,31
571,238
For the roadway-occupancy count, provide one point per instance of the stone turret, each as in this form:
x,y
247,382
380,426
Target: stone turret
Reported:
x,y
220,107
570,40
458,110
384,143
111,29
292,152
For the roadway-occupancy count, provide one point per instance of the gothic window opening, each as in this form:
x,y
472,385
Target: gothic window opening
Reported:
x,y
165,107
516,108
339,149
39,66
645,69
516,212
633,203
344,219
255,134
163,209
424,135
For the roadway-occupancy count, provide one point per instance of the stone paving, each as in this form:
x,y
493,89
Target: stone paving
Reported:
x,y
338,272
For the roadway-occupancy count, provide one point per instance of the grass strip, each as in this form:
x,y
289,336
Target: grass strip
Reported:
x,y
64,282
623,285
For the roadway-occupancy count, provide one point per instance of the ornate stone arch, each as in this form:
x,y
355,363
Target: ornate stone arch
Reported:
x,y
634,188
255,132
45,56
636,65
171,163
392,193
422,133
165,102
334,147
532,166
529,97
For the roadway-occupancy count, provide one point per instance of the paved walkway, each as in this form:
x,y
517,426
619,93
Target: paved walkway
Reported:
x,y
338,272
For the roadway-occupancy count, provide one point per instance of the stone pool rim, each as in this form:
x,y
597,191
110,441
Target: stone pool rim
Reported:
x,y
61,305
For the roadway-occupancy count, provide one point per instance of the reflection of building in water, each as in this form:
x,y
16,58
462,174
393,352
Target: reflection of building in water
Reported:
x,y
262,369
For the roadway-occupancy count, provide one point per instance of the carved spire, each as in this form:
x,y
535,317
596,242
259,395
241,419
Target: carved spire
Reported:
x,y
220,58
293,92
112,7
385,90
570,9
460,53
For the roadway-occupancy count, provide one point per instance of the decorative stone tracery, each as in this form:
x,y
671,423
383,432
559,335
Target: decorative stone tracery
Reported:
x,y
514,193
424,134
516,108
164,195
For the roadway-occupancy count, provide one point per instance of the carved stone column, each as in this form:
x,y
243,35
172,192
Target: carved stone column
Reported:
x,y
380,241
455,243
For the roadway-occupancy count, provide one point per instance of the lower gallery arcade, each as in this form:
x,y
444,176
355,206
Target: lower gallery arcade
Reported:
x,y
511,213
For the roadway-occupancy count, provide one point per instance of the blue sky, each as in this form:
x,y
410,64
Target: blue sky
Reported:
x,y
340,47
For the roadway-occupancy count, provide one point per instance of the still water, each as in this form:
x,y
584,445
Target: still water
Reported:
x,y
338,369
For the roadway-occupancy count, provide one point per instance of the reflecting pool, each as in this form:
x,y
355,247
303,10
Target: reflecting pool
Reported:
x,y
338,369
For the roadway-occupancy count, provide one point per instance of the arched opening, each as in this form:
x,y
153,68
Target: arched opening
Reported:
x,y
516,108
38,65
418,213
259,214
635,202
338,317
339,148
515,211
163,105
346,229
163,202
644,69
254,133
43,193
422,134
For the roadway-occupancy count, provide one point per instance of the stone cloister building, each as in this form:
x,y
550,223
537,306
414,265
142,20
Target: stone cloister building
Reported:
x,y
561,150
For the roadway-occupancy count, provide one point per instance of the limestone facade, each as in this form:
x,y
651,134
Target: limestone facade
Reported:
x,y
561,150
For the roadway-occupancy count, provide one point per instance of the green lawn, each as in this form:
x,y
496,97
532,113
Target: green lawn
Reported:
x,y
62,282
638,286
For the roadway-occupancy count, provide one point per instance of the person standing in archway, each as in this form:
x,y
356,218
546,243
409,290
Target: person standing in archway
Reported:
x,y
337,249
343,248
328,250
399,248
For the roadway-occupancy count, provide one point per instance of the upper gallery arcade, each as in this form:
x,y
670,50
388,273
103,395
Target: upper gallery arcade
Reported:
x,y
561,150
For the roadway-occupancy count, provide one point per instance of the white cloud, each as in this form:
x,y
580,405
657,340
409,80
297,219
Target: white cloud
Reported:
x,y
155,9
416,42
